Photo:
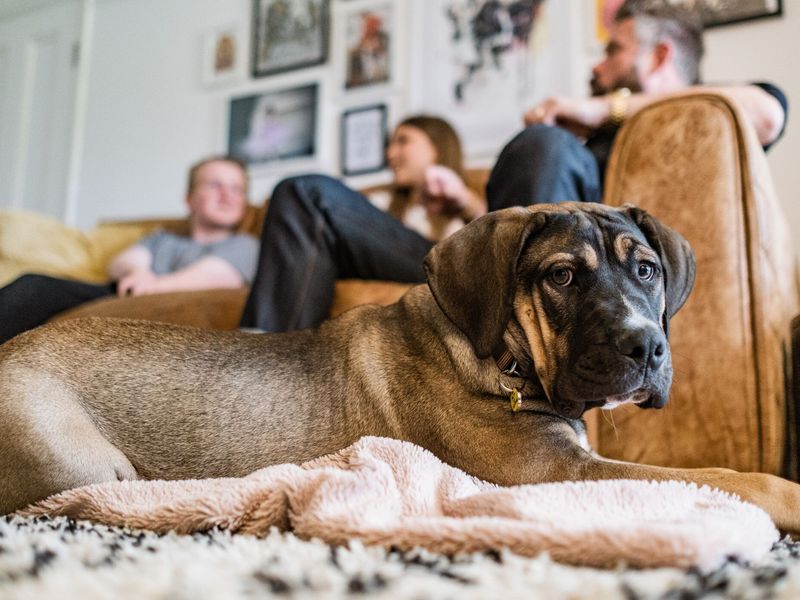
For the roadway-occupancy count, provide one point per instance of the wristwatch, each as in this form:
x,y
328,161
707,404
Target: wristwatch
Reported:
x,y
618,104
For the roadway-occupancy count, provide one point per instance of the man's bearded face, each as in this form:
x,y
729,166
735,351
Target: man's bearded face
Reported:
x,y
629,79
619,67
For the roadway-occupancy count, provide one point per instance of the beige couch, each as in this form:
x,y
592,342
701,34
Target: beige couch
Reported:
x,y
694,163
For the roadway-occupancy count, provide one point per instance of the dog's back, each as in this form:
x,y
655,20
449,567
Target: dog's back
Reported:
x,y
98,399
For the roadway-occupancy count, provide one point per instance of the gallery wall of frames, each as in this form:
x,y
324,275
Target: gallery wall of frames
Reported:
x,y
318,84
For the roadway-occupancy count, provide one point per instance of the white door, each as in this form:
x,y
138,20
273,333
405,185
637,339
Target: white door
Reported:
x,y
39,53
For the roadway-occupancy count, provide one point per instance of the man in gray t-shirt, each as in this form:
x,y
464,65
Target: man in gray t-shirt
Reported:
x,y
172,253
213,255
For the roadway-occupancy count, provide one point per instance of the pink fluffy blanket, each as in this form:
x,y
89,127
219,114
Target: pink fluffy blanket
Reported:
x,y
393,493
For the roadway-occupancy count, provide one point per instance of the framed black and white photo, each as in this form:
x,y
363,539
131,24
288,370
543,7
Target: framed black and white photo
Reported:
x,y
487,62
369,45
274,126
289,34
725,12
363,140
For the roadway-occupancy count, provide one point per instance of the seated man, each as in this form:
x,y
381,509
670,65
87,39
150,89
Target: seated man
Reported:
x,y
212,256
653,52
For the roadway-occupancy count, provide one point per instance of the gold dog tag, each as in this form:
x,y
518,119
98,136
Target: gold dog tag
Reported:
x,y
516,400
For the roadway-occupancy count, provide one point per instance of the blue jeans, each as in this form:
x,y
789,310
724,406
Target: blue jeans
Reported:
x,y
318,230
543,165
30,300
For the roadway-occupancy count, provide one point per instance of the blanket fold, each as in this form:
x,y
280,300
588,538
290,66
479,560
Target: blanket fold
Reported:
x,y
392,493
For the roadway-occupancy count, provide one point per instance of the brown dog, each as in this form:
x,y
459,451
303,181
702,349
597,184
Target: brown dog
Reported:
x,y
577,297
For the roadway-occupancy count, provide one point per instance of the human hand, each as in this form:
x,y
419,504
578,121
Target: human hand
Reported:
x,y
581,116
445,192
138,283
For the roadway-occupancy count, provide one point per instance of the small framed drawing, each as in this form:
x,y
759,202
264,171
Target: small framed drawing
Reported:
x,y
363,140
369,45
274,126
289,34
222,55
725,12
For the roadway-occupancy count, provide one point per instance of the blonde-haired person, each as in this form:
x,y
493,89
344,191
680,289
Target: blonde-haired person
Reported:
x,y
318,230
213,255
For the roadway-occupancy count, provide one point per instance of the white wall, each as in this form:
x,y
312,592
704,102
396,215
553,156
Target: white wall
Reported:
x,y
766,50
147,116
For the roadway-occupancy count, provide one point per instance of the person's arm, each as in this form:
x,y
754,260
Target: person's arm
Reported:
x,y
762,108
135,258
585,115
446,193
209,272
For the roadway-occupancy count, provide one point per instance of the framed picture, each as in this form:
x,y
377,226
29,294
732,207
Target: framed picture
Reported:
x,y
289,34
486,62
725,12
221,55
604,11
274,126
363,140
368,41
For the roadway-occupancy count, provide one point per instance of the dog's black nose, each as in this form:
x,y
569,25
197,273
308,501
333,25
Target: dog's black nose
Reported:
x,y
646,347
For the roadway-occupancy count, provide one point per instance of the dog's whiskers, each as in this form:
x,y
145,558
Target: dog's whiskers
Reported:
x,y
608,415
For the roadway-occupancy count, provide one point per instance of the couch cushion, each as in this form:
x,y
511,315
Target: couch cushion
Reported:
x,y
215,309
34,243
222,309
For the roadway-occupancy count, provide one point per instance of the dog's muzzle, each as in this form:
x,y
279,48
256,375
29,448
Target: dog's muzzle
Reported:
x,y
634,367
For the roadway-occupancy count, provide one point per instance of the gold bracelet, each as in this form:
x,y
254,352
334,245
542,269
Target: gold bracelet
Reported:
x,y
618,104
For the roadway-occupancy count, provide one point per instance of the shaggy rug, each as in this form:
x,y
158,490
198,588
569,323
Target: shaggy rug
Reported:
x,y
388,519
42,557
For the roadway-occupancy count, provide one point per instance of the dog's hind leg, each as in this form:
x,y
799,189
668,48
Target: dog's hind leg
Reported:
x,y
48,443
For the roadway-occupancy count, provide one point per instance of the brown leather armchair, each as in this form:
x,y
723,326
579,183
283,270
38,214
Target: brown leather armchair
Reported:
x,y
693,162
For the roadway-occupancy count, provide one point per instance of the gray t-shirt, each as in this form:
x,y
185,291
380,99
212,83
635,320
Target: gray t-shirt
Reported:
x,y
173,252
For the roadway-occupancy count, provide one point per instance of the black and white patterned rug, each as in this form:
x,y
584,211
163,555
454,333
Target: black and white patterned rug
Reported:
x,y
63,558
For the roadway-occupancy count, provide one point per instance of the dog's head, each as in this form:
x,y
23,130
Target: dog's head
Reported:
x,y
589,288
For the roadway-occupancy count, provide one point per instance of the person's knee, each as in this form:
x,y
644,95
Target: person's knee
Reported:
x,y
33,282
25,290
544,140
542,164
299,189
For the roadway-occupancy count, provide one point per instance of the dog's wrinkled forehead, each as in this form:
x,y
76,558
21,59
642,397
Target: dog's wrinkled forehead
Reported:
x,y
591,237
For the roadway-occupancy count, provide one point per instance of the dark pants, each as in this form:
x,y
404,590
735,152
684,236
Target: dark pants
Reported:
x,y
543,165
30,300
317,230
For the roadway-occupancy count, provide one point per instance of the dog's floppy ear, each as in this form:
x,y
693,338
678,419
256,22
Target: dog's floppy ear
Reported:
x,y
472,274
676,257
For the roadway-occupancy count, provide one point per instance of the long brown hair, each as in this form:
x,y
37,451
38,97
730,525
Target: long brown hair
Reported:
x,y
448,154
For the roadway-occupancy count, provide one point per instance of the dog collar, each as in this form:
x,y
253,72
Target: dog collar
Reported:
x,y
508,366
507,363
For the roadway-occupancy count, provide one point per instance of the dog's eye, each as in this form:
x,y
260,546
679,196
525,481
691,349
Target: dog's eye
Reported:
x,y
646,271
561,276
